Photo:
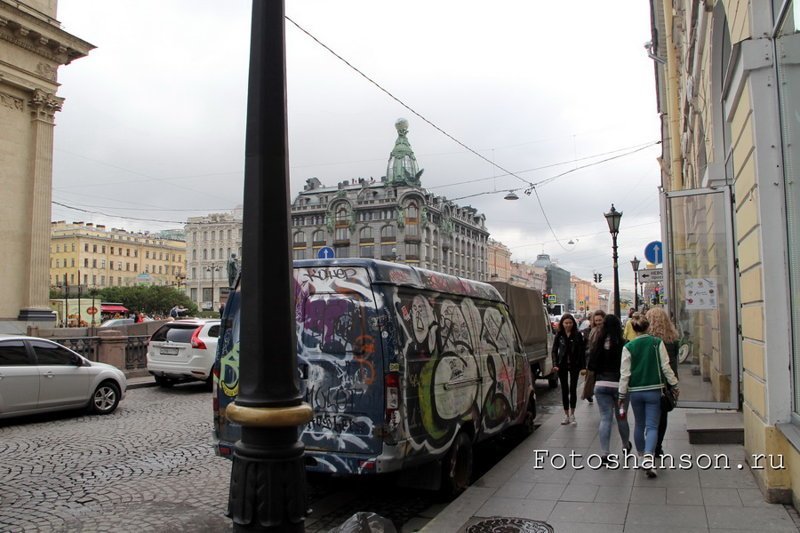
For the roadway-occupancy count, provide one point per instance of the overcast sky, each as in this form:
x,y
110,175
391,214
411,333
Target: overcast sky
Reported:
x,y
153,123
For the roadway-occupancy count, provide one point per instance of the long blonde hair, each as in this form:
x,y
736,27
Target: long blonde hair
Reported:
x,y
661,326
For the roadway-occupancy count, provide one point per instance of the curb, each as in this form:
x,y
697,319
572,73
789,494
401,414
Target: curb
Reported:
x,y
141,384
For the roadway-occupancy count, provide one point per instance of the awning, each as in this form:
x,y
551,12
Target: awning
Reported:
x,y
106,308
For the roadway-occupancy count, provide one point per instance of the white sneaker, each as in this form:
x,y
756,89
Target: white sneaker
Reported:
x,y
572,420
565,421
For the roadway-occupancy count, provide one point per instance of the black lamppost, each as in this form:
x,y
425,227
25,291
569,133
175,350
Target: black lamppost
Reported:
x,y
268,487
613,218
213,270
635,264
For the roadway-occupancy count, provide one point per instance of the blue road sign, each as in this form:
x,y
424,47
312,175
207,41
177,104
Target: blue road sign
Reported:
x,y
654,252
326,252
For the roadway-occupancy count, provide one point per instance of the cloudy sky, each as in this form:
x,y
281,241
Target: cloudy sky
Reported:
x,y
153,124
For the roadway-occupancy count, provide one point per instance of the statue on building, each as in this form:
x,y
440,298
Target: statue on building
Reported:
x,y
234,267
402,168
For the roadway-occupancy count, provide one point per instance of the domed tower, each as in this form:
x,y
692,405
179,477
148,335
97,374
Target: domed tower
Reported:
x,y
402,168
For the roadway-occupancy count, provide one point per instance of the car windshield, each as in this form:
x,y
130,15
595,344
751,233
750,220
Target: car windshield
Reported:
x,y
174,333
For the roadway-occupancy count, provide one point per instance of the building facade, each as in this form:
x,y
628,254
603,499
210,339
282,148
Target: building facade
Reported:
x,y
211,242
93,256
528,275
499,258
728,86
393,219
558,280
586,295
32,48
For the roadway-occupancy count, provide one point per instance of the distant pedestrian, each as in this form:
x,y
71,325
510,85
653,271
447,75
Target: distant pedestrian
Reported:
x,y
644,360
605,357
629,334
663,328
568,360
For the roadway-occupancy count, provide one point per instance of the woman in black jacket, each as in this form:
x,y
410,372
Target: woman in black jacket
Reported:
x,y
605,356
568,360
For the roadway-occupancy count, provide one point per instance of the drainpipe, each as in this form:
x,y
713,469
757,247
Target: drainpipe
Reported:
x,y
673,102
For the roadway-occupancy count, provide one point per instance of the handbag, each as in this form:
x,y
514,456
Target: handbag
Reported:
x,y
588,385
668,398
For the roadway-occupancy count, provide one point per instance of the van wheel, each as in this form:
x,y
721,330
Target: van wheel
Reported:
x,y
527,426
552,381
162,381
457,466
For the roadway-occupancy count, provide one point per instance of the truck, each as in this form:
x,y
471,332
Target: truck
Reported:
x,y
533,323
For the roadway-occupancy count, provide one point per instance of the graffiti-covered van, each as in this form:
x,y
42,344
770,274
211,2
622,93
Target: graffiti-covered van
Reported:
x,y
402,366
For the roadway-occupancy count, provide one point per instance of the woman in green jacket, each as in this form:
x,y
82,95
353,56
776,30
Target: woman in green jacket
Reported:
x,y
644,360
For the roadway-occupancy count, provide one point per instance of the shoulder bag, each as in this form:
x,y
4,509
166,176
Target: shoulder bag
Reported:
x,y
668,398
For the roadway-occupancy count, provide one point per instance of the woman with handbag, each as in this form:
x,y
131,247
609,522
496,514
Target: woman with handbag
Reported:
x,y
594,325
568,361
663,328
605,356
643,370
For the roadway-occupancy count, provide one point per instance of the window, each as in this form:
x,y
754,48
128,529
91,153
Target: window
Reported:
x,y
367,251
86,247
318,237
299,253
13,353
213,253
366,234
86,263
342,234
205,254
299,238
194,255
388,233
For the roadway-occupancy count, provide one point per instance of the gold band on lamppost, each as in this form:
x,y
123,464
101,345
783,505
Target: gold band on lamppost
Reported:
x,y
270,417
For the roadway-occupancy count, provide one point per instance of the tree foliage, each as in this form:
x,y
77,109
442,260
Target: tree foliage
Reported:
x,y
150,299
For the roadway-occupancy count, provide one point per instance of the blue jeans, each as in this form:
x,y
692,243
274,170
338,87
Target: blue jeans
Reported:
x,y
647,410
607,403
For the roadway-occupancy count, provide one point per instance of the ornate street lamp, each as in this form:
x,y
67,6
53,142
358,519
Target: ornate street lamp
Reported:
x,y
635,264
613,218
268,485
213,270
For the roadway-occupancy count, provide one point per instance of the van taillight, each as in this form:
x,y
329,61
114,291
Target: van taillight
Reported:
x,y
196,341
392,394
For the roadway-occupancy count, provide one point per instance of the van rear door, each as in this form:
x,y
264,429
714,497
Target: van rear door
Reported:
x,y
339,350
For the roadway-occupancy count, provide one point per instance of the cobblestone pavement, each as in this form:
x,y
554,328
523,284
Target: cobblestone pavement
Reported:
x,y
150,467
132,470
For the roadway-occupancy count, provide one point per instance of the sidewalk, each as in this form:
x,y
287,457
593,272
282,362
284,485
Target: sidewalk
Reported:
x,y
573,500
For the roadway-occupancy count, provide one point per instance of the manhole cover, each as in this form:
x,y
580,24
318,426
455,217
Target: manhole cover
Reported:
x,y
510,525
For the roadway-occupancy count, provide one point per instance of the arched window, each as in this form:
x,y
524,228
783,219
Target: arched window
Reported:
x,y
318,236
299,238
366,234
388,233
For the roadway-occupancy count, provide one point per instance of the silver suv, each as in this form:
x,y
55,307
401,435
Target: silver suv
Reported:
x,y
183,350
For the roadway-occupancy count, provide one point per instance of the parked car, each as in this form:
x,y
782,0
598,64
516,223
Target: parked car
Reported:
x,y
116,322
183,350
39,375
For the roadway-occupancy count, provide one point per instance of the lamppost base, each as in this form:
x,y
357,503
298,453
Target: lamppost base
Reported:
x,y
264,492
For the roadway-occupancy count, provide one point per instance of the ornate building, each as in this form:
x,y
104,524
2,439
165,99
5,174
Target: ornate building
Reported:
x,y
92,256
211,241
32,48
393,219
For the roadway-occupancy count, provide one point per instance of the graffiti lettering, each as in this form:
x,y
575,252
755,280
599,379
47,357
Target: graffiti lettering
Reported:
x,y
337,423
337,400
325,274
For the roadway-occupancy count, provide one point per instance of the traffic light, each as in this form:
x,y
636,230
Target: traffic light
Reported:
x,y
599,278
595,278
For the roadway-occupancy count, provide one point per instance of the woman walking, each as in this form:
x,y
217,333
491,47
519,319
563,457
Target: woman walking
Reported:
x,y
605,358
663,328
594,325
644,360
568,361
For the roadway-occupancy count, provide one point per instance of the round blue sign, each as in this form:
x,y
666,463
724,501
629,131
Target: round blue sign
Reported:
x,y
326,252
654,252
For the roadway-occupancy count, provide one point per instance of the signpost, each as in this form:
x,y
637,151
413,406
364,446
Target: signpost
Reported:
x,y
654,252
326,252
92,310
652,275
552,299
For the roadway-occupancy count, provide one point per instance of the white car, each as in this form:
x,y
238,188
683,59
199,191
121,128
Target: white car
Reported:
x,y
183,350
39,375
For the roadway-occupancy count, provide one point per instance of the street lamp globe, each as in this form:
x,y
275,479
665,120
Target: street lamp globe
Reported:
x,y
613,218
635,264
